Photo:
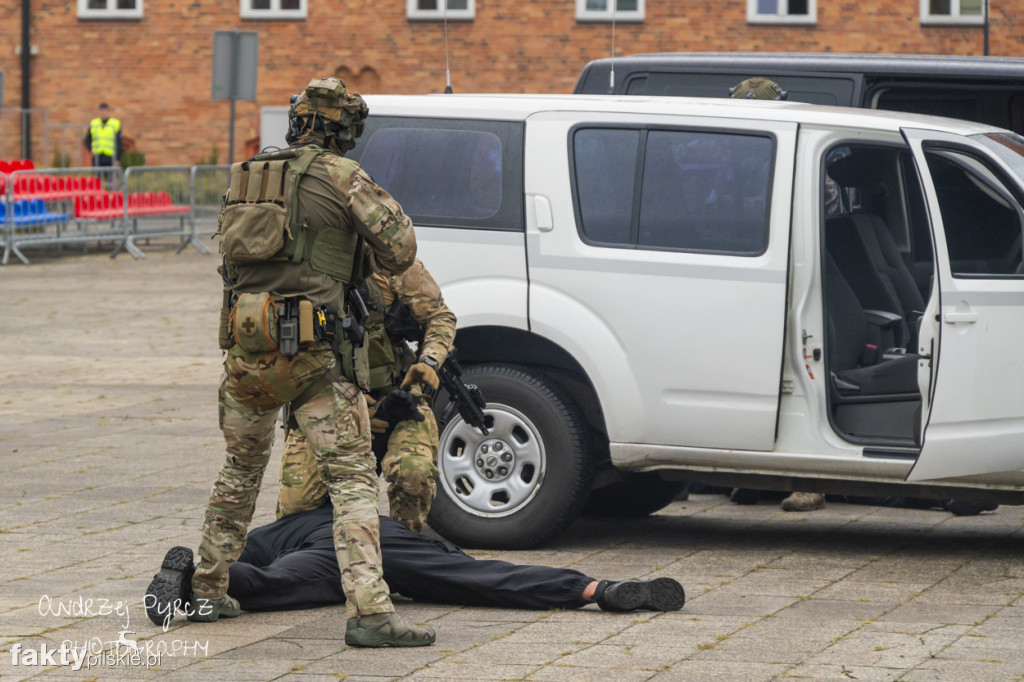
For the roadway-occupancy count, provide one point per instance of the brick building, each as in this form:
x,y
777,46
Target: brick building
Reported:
x,y
152,59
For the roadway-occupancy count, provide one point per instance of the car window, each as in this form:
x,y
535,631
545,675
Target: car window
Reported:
x,y
832,90
673,189
605,172
982,222
446,172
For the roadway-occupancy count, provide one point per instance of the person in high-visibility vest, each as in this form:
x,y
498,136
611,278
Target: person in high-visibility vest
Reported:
x,y
104,138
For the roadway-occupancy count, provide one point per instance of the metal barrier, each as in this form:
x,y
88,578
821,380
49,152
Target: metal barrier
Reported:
x,y
158,203
5,183
209,183
41,205
79,205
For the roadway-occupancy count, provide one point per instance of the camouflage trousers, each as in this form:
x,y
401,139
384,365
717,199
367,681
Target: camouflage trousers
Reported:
x,y
408,467
336,426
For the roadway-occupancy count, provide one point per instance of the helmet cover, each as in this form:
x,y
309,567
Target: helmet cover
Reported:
x,y
327,109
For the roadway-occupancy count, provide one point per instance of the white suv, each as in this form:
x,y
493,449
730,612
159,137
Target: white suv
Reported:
x,y
757,294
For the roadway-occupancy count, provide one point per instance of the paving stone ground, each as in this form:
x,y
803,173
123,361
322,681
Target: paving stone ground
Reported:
x,y
109,445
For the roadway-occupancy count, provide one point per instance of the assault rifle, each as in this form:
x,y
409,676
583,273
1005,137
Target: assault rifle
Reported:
x,y
467,398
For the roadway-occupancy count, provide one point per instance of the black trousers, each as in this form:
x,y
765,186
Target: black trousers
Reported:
x,y
291,564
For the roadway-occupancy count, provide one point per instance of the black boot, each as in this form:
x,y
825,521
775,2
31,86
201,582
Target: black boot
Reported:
x,y
660,594
171,588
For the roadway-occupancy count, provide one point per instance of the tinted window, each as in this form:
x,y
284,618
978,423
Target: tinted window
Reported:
x,y
833,89
605,171
979,216
448,173
456,173
673,189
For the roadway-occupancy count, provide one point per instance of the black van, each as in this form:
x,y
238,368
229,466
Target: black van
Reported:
x,y
984,89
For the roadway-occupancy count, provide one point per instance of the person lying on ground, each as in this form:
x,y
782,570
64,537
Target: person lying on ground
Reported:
x,y
291,564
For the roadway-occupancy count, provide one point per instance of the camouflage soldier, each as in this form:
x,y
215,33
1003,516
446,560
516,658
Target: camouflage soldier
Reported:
x,y
403,418
294,230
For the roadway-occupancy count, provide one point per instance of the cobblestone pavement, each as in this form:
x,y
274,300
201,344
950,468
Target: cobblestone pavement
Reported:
x,y
109,445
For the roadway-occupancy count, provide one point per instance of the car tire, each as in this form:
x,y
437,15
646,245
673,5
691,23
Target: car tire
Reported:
x,y
525,481
638,495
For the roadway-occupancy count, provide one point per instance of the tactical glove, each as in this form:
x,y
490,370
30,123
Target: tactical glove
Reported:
x,y
420,373
398,406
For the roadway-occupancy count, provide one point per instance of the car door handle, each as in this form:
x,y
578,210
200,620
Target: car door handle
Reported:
x,y
542,212
960,317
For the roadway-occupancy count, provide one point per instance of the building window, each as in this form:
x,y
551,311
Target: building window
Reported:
x,y
109,9
434,10
952,12
273,9
783,11
605,10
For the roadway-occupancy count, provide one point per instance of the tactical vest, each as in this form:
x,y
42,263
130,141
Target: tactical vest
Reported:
x,y
103,135
387,358
258,221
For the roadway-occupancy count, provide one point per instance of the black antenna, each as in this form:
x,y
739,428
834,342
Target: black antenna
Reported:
x,y
611,74
447,71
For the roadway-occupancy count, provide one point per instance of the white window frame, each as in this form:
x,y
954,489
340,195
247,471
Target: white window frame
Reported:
x,y
414,13
275,12
625,16
84,12
782,16
954,16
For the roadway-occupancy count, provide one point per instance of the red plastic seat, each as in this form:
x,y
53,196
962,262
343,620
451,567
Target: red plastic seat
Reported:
x,y
148,203
163,201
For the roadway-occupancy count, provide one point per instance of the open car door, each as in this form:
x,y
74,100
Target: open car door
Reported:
x,y
972,371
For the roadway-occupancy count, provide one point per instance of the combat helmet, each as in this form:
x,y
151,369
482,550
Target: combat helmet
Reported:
x,y
327,112
757,88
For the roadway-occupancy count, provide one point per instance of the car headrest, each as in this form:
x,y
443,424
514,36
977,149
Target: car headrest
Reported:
x,y
860,168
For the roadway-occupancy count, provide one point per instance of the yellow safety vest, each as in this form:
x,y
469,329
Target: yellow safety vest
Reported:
x,y
103,135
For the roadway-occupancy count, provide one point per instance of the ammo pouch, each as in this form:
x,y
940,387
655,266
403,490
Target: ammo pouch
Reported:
x,y
254,323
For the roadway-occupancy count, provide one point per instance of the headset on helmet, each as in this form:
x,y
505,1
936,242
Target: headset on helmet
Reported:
x,y
328,112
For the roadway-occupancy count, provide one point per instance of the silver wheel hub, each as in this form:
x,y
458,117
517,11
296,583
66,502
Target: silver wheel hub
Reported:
x,y
495,459
497,474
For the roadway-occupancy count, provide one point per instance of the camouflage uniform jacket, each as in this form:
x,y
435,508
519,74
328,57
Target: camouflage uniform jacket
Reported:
x,y
335,193
418,290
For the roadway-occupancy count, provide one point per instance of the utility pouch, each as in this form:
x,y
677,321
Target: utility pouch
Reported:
x,y
383,364
325,323
355,365
253,224
254,323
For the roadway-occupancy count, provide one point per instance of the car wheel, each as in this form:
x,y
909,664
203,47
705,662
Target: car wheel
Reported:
x,y
639,494
525,480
